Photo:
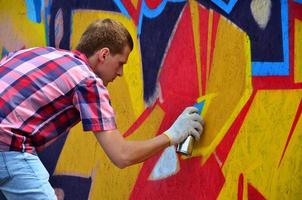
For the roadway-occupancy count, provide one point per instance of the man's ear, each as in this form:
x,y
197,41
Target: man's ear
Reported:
x,y
103,54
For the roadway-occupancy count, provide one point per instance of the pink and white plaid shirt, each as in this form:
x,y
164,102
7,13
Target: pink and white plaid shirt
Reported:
x,y
43,93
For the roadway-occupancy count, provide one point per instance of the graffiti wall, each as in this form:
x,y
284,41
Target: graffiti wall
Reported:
x,y
241,58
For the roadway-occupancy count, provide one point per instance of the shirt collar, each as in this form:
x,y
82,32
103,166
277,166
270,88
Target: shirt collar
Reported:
x,y
81,56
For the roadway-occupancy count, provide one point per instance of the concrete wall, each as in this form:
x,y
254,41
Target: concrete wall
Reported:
x,y
241,58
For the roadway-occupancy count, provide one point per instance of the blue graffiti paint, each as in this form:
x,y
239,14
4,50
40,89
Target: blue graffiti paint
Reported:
x,y
50,155
47,14
74,187
152,13
269,47
153,41
122,8
199,106
67,11
34,10
145,11
67,7
227,7
298,1
276,68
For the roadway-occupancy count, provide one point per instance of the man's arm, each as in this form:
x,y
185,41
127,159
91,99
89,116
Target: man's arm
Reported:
x,y
124,153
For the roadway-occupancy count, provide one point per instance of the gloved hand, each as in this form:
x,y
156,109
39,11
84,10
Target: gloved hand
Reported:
x,y
189,122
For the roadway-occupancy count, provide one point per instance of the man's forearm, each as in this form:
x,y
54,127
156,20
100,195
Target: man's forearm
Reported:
x,y
140,151
124,153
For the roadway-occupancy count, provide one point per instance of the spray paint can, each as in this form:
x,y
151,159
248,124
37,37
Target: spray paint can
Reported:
x,y
186,147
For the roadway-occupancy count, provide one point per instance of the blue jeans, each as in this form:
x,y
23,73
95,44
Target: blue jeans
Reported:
x,y
23,176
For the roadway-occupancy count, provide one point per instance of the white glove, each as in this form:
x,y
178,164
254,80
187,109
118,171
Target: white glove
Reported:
x,y
189,122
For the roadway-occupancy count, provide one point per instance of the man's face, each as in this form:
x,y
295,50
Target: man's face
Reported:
x,y
112,66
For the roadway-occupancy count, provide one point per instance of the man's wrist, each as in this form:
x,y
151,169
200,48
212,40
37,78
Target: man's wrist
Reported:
x,y
169,138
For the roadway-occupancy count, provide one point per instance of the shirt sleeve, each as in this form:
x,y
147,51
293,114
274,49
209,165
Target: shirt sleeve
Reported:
x,y
91,98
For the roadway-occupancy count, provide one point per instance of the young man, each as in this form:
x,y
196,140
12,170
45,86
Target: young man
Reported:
x,y
45,91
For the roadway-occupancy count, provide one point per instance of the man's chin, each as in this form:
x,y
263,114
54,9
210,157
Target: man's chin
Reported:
x,y
107,82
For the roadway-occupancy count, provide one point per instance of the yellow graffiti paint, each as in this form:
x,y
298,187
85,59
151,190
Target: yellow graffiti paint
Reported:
x,y
259,144
78,156
229,83
209,41
287,182
132,81
298,51
16,30
121,102
135,3
123,180
195,23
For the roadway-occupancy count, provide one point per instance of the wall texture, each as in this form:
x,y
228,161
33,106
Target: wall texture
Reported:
x,y
241,58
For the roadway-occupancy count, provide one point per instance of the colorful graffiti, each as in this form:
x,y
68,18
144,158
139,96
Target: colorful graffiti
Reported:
x,y
243,58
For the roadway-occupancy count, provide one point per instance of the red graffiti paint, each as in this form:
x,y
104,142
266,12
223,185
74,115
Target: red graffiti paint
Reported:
x,y
152,4
254,194
240,187
133,10
193,181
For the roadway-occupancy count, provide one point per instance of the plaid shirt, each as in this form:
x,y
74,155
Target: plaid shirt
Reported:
x,y
43,93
